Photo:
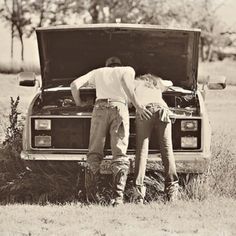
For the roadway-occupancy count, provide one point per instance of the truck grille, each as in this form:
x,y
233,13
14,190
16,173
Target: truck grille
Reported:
x,y
73,133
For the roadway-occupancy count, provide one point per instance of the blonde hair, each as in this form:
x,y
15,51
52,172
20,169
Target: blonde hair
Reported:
x,y
151,81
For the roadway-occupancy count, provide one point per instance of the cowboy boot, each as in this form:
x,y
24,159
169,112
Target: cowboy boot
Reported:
x,y
119,182
172,191
139,194
92,185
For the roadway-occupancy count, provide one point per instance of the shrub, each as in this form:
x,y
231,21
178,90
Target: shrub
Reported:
x,y
12,145
44,182
13,137
35,182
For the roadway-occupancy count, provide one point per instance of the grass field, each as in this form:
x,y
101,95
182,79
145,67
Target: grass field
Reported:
x,y
208,218
226,68
14,67
212,216
221,106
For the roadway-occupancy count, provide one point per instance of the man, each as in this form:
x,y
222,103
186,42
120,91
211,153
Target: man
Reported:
x,y
114,87
149,92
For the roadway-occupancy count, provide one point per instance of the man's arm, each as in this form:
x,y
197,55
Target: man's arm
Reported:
x,y
77,84
127,82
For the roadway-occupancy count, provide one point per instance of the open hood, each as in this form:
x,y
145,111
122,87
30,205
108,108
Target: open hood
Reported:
x,y
69,52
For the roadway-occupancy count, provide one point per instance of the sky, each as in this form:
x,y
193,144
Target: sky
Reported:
x,y
226,12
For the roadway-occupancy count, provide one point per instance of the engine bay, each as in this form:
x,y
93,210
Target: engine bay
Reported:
x,y
61,102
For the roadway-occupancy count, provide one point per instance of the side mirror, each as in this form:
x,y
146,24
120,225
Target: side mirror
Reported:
x,y
218,82
27,79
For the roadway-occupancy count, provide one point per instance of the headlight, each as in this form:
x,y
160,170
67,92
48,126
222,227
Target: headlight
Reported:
x,y
189,142
42,124
189,125
42,141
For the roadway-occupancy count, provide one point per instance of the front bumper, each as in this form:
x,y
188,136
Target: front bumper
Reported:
x,y
186,162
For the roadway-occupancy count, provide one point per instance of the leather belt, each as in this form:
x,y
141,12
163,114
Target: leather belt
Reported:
x,y
109,100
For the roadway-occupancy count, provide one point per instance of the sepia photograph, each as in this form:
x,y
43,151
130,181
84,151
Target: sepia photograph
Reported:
x,y
118,117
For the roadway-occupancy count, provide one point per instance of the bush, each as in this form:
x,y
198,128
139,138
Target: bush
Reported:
x,y
12,145
35,182
13,137
44,182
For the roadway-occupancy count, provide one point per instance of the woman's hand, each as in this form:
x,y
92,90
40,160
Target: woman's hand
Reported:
x,y
143,112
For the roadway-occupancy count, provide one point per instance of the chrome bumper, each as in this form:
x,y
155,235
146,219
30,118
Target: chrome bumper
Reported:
x,y
186,162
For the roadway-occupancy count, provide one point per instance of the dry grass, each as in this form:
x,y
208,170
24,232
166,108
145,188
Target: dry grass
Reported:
x,y
226,67
220,180
222,173
221,106
215,217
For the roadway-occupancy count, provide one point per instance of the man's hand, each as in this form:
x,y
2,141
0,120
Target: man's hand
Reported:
x,y
78,83
143,113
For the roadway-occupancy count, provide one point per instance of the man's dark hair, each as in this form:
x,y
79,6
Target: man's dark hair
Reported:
x,y
113,61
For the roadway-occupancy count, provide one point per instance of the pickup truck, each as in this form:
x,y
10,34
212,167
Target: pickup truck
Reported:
x,y
58,130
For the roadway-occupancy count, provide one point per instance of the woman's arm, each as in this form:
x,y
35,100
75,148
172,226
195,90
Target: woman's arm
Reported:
x,y
164,84
128,85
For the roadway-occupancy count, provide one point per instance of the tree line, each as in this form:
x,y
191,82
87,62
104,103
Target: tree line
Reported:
x,y
23,16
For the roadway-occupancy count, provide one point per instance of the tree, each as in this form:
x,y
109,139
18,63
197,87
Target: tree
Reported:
x,y
25,15
99,11
200,14
183,13
15,12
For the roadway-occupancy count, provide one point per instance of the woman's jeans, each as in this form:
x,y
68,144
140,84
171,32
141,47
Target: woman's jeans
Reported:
x,y
161,124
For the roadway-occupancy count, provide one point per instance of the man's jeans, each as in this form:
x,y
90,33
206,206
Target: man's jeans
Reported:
x,y
162,125
112,117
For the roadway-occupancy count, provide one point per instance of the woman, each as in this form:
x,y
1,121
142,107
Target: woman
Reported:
x,y
149,90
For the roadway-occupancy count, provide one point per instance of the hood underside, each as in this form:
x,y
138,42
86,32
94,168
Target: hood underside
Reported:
x,y
69,52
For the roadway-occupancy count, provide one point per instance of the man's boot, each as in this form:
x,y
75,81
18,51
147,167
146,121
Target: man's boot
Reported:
x,y
92,186
119,182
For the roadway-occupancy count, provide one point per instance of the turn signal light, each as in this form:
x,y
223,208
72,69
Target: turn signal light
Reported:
x,y
42,141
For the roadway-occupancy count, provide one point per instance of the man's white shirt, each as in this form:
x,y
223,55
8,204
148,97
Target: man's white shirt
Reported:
x,y
107,81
